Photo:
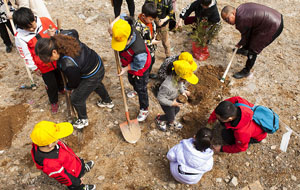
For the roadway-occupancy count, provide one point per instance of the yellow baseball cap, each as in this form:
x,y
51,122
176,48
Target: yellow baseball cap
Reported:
x,y
185,70
121,31
46,132
189,58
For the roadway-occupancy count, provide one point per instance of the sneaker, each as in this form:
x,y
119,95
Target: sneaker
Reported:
x,y
54,108
131,94
88,166
81,123
160,124
102,104
89,187
142,115
176,125
8,48
242,74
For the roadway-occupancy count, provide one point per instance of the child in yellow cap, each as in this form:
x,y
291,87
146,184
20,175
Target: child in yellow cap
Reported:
x,y
55,158
135,58
169,91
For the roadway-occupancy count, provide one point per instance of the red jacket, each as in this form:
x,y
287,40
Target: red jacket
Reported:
x,y
61,164
25,43
244,131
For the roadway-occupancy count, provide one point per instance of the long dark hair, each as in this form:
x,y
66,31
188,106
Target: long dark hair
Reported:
x,y
63,44
203,139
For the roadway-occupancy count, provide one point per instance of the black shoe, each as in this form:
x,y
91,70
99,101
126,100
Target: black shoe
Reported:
x,y
89,187
9,48
242,51
88,166
153,76
243,73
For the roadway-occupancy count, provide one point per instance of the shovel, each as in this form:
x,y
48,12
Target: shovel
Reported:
x,y
228,67
130,129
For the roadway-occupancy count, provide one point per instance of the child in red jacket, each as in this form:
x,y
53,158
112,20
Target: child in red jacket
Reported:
x,y
240,130
55,158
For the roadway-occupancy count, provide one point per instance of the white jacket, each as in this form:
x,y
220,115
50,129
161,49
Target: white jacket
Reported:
x,y
38,7
190,160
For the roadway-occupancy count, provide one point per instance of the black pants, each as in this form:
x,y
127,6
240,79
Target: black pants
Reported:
x,y
118,4
82,172
54,84
139,84
152,63
252,55
85,88
228,137
4,33
170,113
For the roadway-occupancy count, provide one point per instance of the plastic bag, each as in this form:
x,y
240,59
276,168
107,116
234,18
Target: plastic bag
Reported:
x,y
200,53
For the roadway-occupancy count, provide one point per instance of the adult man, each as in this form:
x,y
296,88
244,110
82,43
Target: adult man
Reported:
x,y
259,26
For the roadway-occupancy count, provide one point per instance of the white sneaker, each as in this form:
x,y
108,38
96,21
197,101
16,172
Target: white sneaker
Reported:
x,y
81,123
102,104
142,115
131,94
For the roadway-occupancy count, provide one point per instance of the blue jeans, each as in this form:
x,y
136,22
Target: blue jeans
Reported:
x,y
85,88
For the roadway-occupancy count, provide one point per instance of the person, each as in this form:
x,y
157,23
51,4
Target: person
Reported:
x,y
240,130
117,7
162,71
135,58
259,26
169,91
4,22
38,7
30,28
146,26
205,10
192,157
165,13
82,67
55,158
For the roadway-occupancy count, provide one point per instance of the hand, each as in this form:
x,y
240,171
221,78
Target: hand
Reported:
x,y
238,46
186,93
216,148
175,103
51,31
38,72
162,21
179,23
154,41
124,70
9,15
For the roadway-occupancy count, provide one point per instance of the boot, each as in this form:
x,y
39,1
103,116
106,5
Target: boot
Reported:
x,y
242,74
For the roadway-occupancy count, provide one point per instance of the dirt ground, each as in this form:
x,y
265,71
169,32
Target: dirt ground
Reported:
x,y
274,82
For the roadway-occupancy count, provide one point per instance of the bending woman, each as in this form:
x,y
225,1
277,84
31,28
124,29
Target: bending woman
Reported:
x,y
81,65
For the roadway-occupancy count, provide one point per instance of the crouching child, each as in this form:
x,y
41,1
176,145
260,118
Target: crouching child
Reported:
x,y
55,158
169,91
192,157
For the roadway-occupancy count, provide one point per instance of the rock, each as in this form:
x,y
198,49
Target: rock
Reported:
x,y
264,141
116,122
81,16
172,185
122,153
168,133
294,118
234,182
294,178
256,186
247,164
1,151
91,19
219,180
101,177
35,174
284,188
245,188
153,132
248,152
273,147
227,179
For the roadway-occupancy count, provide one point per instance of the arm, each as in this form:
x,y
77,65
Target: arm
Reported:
x,y
188,10
60,174
171,154
241,144
163,95
72,72
244,27
25,53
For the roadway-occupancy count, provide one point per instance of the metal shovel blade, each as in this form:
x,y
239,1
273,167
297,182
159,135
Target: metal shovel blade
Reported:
x,y
131,130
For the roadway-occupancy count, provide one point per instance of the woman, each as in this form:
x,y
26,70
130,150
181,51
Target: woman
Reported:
x,y
82,66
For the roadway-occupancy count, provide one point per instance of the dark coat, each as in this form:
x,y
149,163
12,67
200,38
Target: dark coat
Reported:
x,y
257,25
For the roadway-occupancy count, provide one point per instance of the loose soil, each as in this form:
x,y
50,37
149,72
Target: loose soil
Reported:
x,y
143,166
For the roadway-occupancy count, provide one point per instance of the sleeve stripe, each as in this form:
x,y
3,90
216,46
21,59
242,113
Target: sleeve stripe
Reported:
x,y
60,170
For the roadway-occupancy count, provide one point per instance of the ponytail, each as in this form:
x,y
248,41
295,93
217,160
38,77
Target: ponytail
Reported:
x,y
203,139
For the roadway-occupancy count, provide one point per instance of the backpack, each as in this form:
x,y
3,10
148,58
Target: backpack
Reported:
x,y
265,117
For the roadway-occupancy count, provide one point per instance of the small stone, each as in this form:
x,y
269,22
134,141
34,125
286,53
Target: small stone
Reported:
x,y
234,182
168,133
247,164
245,188
101,177
81,16
294,178
248,152
34,175
256,186
284,188
273,147
116,122
264,141
122,153
219,180
91,19
172,185
1,151
153,132
227,179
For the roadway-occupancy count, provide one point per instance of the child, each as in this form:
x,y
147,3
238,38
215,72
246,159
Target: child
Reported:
x,y
192,157
165,13
169,92
29,29
4,22
55,158
240,128
83,68
204,10
38,7
135,58
146,26
117,7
